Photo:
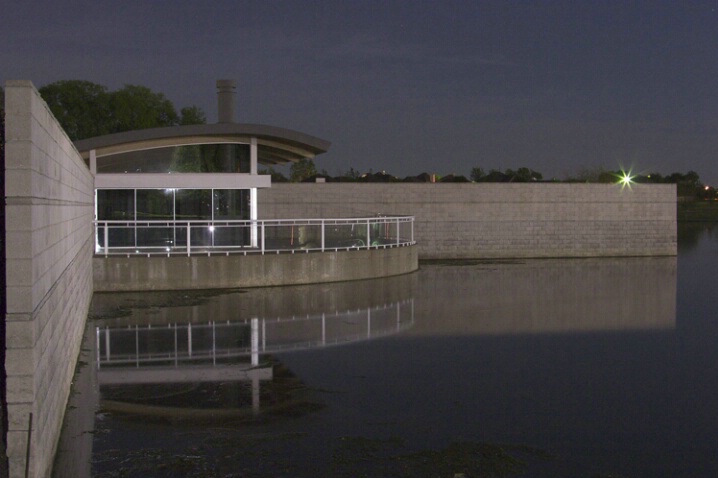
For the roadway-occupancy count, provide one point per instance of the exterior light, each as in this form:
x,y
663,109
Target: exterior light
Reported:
x,y
625,179
211,228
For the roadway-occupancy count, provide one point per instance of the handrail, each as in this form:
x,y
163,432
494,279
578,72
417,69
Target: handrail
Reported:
x,y
196,236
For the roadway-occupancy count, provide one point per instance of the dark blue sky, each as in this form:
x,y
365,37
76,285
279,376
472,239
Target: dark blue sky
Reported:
x,y
411,86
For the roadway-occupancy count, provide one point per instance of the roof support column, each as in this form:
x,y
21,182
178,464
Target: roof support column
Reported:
x,y
254,238
253,155
93,162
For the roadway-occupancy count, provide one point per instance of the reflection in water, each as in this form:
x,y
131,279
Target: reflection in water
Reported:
x,y
222,352
158,361
547,296
228,342
156,353
691,234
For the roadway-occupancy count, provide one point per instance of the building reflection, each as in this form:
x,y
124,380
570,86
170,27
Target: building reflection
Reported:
x,y
229,351
223,353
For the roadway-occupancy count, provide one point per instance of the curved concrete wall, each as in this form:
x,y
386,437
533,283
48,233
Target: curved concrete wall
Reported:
x,y
499,220
49,209
116,273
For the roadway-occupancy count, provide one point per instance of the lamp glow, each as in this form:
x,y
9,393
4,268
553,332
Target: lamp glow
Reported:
x,y
625,179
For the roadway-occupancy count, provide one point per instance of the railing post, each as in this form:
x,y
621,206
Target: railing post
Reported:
x,y
188,239
106,238
368,233
97,347
262,238
323,225
254,327
253,234
398,228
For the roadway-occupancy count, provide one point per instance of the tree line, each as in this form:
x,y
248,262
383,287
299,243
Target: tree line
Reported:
x,y
688,184
86,109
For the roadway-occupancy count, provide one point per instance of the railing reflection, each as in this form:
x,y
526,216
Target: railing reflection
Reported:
x,y
233,342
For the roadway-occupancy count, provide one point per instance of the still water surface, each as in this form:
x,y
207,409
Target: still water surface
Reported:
x,y
547,368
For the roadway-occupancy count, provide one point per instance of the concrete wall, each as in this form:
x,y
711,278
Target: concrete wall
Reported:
x,y
49,211
485,220
254,270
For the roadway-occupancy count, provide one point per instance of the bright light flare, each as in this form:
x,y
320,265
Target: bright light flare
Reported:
x,y
626,179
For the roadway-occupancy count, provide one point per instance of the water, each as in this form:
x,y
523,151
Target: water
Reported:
x,y
547,368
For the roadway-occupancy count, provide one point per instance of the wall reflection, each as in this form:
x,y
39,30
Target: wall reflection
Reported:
x,y
546,296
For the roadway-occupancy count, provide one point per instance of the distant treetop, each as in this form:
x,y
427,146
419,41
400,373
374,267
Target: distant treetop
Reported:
x,y
86,109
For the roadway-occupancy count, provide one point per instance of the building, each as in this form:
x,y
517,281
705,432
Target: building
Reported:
x,y
188,173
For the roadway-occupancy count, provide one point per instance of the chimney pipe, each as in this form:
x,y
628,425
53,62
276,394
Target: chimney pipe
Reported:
x,y
225,100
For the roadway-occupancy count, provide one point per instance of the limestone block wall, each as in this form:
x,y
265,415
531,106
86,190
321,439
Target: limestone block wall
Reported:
x,y
49,211
499,220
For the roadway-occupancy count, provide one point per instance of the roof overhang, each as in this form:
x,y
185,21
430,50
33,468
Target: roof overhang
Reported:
x,y
275,145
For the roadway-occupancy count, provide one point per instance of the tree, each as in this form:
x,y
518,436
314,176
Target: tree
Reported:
x,y
138,107
526,175
351,175
301,170
477,174
81,107
688,184
85,109
277,177
654,178
495,176
192,115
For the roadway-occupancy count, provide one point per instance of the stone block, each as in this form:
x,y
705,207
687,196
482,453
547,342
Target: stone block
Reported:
x,y
20,389
18,244
19,361
16,452
19,300
19,333
19,272
18,414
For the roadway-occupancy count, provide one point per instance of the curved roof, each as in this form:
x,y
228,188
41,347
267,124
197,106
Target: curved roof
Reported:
x,y
275,145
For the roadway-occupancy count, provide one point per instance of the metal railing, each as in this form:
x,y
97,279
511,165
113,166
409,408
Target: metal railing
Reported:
x,y
158,237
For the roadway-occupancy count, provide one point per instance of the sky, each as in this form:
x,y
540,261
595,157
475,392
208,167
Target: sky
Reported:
x,y
560,87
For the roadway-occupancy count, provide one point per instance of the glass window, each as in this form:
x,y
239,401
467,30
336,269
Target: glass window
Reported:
x,y
115,204
173,204
155,204
231,204
195,158
193,204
